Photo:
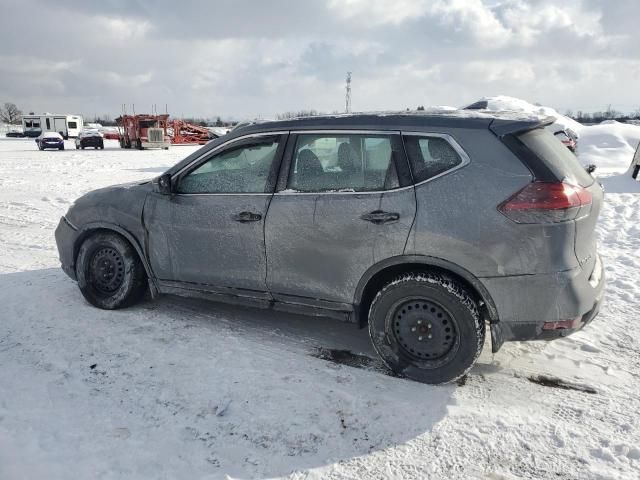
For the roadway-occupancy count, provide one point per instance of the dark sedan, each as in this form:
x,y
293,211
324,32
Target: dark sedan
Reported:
x,y
15,134
50,140
90,138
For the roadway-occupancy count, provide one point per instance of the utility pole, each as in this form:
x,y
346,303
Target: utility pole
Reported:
x,y
347,99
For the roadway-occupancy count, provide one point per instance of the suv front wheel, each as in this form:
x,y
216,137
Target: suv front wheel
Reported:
x,y
426,327
109,272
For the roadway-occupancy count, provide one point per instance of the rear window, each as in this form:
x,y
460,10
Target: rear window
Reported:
x,y
558,158
72,124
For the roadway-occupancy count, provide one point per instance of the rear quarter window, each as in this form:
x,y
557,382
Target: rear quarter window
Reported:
x,y
430,156
556,157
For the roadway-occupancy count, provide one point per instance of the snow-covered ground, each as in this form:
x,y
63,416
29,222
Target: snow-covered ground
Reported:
x,y
178,388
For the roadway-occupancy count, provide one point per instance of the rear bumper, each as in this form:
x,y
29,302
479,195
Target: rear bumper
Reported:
x,y
66,235
93,142
525,303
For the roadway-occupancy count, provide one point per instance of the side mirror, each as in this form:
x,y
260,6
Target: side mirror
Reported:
x,y
164,184
591,168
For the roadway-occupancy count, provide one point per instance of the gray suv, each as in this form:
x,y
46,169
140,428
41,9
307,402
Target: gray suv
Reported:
x,y
423,228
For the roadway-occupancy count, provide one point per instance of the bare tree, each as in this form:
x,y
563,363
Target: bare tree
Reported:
x,y
611,113
298,114
10,113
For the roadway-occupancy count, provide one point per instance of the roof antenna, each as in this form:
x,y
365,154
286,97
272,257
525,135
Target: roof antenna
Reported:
x,y
347,98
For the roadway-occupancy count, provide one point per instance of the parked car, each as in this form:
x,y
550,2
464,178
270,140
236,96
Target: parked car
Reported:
x,y
89,138
15,134
110,133
423,228
50,140
568,138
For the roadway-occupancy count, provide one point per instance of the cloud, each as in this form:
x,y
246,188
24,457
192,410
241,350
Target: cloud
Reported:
x,y
244,58
124,29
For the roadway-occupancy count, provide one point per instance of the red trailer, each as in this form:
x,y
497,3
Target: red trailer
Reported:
x,y
188,134
143,131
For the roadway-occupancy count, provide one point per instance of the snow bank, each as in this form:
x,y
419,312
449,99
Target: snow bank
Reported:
x,y
502,103
609,146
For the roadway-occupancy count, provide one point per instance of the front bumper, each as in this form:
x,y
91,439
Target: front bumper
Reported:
x,y
528,305
66,235
156,144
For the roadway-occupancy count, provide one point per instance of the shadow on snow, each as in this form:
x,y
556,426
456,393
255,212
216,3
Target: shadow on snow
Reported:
x,y
235,390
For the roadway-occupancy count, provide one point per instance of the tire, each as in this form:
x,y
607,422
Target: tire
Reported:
x,y
76,147
61,148
124,281
426,327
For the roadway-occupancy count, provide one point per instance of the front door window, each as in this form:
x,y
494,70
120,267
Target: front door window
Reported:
x,y
245,168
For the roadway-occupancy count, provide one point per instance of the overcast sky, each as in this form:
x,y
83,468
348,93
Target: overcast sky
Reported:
x,y
248,58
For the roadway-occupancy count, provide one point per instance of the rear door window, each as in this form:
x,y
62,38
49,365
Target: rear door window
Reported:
x,y
430,156
344,162
556,157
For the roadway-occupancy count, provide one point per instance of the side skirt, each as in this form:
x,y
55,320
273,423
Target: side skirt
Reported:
x,y
257,299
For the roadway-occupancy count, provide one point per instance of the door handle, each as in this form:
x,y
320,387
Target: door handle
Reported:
x,y
379,217
245,217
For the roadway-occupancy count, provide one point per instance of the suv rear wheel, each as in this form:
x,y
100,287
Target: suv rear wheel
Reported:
x,y
109,272
426,327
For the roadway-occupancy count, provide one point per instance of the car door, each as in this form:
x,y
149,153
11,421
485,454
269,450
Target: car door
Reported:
x,y
343,204
209,234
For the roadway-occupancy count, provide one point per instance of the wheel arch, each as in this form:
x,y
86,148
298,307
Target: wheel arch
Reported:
x,y
377,275
92,228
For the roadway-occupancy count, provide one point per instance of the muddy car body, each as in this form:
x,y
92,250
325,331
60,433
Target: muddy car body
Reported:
x,y
426,228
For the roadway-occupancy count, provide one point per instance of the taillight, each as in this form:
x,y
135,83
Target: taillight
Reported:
x,y
547,202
